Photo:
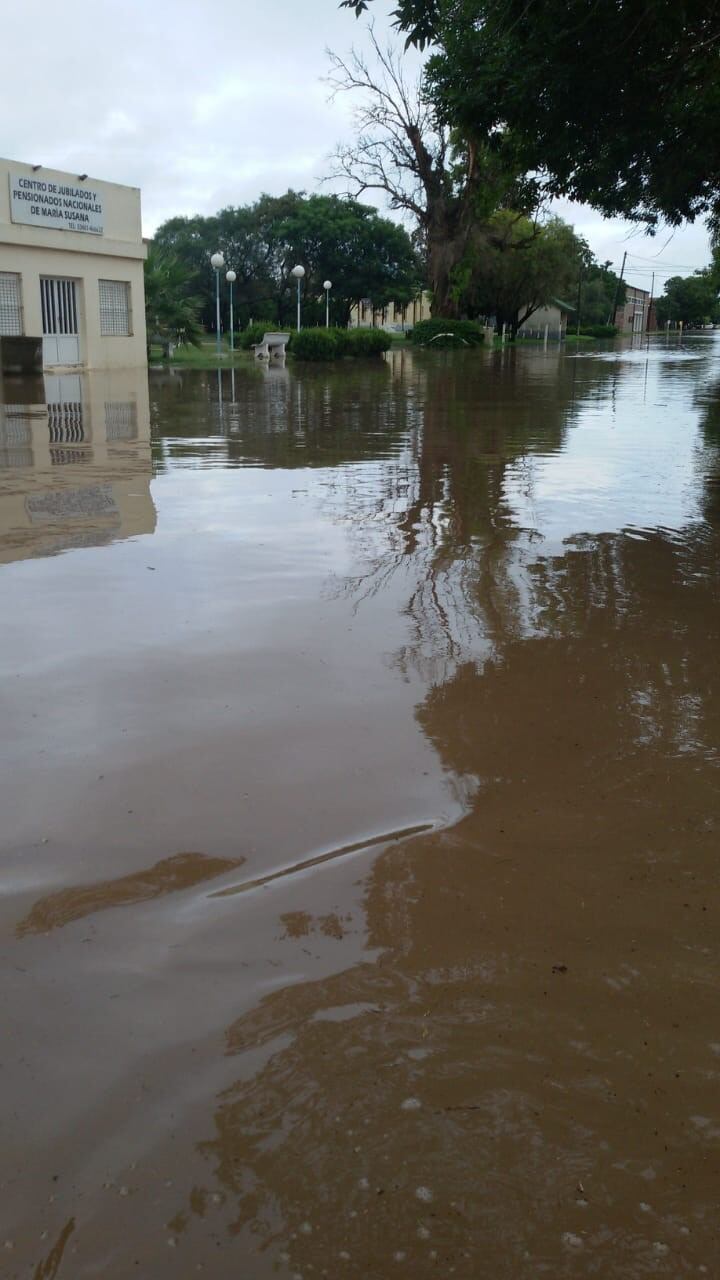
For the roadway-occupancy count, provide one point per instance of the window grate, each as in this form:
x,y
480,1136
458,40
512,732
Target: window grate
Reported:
x,y
65,422
10,305
120,420
114,308
59,306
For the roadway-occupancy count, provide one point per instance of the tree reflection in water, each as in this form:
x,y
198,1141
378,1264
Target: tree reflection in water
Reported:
x,y
506,1086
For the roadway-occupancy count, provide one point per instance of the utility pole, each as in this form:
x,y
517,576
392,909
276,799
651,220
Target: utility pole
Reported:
x,y
580,269
613,313
650,304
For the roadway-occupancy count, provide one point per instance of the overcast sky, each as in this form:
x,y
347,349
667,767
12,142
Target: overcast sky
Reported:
x,y
207,105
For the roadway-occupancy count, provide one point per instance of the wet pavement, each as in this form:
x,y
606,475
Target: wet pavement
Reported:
x,y
359,844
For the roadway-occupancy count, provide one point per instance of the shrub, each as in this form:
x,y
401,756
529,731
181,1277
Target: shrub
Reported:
x,y
331,344
598,330
441,332
342,340
316,344
366,342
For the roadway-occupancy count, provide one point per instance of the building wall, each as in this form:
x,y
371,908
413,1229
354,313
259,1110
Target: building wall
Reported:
x,y
553,317
633,315
394,316
116,255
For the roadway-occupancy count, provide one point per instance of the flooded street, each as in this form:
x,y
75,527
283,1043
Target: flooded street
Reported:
x,y
359,843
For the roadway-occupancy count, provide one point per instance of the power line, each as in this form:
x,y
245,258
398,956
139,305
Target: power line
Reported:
x,y
680,266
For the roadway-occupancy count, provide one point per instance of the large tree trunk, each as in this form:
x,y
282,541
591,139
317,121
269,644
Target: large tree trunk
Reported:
x,y
442,260
449,227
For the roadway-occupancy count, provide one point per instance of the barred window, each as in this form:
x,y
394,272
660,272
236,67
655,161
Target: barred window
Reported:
x,y
120,420
114,308
11,320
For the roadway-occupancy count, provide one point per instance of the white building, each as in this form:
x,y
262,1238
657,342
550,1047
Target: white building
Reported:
x,y
71,269
553,318
394,316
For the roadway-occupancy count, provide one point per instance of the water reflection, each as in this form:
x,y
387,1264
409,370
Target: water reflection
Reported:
x,y
463,1038
74,462
707,400
515,1057
277,417
502,1080
399,1112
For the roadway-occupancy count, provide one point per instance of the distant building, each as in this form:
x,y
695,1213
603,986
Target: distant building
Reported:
x,y
395,316
632,317
71,269
554,316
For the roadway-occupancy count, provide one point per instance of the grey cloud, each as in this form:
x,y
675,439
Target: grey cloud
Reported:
x,y
202,106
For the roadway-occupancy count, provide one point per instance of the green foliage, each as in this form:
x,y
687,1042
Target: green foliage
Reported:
x,y
611,99
690,299
443,332
599,288
334,238
446,181
523,266
598,330
316,344
713,271
366,342
346,242
171,310
331,344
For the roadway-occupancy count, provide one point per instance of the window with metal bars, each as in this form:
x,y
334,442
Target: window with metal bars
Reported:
x,y
115,309
120,420
11,318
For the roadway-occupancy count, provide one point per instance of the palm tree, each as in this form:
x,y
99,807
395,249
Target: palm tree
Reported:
x,y
171,312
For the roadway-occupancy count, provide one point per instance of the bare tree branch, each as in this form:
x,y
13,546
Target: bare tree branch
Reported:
x,y
399,148
447,185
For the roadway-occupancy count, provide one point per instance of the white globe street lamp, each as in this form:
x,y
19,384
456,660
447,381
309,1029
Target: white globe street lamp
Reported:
x,y
217,262
327,286
298,272
231,278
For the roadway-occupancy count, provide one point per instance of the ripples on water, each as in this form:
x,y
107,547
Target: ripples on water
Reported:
x,y
360,806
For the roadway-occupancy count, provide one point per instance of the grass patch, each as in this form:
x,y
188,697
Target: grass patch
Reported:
x,y
203,357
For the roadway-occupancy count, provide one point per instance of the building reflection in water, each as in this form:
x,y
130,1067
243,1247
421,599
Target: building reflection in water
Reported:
x,y
481,1050
75,462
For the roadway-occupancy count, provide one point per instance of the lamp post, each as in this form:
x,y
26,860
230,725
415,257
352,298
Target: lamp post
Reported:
x,y
327,286
298,272
217,262
231,278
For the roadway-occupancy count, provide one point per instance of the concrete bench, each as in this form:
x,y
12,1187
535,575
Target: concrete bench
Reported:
x,y
272,345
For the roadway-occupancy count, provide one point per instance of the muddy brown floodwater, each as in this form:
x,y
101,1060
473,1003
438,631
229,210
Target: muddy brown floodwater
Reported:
x,y
359,820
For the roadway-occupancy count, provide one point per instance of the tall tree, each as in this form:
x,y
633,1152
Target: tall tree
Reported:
x,y
600,289
692,300
611,99
523,267
446,184
171,312
189,241
338,239
363,254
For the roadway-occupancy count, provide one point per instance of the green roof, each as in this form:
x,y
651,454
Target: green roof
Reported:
x,y
564,306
